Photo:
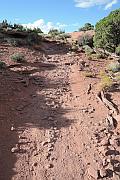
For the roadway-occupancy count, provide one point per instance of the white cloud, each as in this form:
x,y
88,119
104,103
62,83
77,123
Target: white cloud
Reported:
x,y
45,27
91,3
109,5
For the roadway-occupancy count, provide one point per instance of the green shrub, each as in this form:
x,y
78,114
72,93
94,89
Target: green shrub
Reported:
x,y
85,39
106,81
18,58
33,38
117,76
101,55
87,27
2,65
118,50
14,42
114,67
74,46
107,32
88,50
89,74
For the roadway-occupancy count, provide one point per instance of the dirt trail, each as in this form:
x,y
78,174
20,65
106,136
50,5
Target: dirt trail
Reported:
x,y
53,120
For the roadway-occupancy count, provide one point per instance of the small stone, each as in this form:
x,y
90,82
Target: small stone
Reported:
x,y
32,169
116,177
35,164
21,137
50,145
115,142
49,140
49,166
12,128
108,160
33,95
110,167
105,162
103,150
50,149
52,158
44,143
104,142
103,173
92,110
85,110
15,150
50,119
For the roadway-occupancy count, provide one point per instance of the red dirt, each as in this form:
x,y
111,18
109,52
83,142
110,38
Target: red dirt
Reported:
x,y
53,119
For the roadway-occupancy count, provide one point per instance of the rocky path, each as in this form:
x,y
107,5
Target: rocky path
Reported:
x,y
51,122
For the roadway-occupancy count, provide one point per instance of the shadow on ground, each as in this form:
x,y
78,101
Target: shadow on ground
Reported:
x,y
22,105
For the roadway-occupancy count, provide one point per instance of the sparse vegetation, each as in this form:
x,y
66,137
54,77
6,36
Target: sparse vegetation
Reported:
x,y
114,67
18,57
106,81
74,46
18,27
86,39
117,77
100,55
14,41
56,34
89,74
107,32
2,65
88,50
118,50
87,27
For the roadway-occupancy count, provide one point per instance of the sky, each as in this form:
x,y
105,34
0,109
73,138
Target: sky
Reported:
x,y
68,15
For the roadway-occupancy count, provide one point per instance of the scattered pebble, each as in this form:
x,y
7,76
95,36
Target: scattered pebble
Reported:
x,y
103,172
44,143
15,150
49,166
13,128
35,164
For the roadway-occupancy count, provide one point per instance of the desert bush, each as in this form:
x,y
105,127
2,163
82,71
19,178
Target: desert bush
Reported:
x,y
106,81
87,27
88,50
89,74
85,40
4,24
58,34
33,38
18,57
118,50
2,65
74,46
114,67
55,32
117,77
63,37
101,55
107,32
14,42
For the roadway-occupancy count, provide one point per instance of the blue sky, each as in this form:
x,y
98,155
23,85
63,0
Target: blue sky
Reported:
x,y
68,15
